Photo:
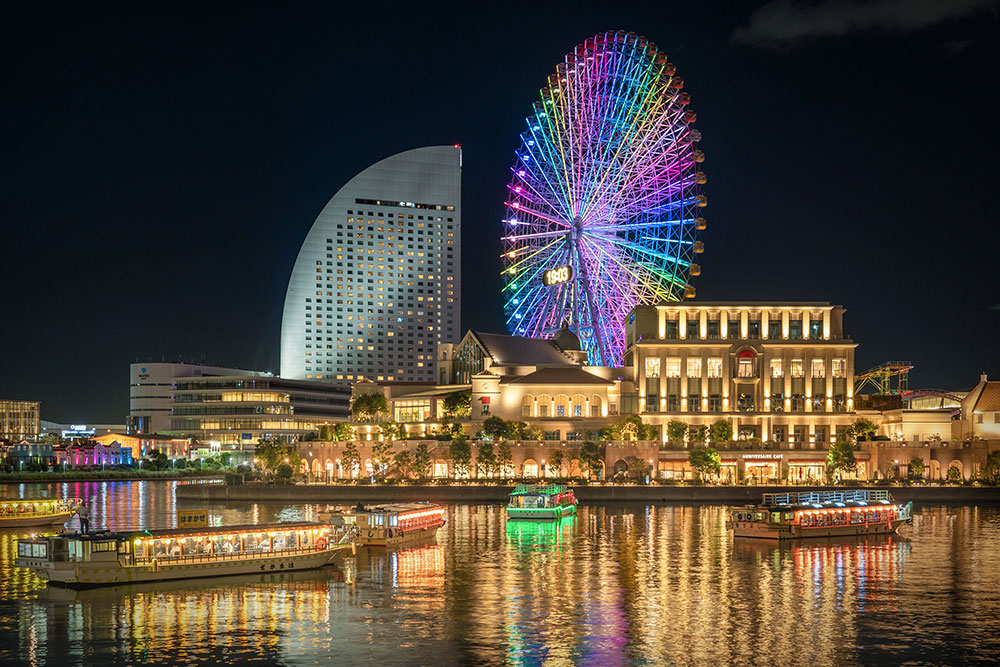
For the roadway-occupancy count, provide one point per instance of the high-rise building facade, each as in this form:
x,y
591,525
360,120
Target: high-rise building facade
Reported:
x,y
376,285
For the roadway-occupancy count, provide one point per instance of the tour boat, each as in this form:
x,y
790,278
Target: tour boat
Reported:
x,y
37,512
783,516
106,558
541,502
388,525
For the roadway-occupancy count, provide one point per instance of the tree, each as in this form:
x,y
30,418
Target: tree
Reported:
x,y
422,461
638,469
697,434
840,458
352,459
864,429
458,403
505,458
494,427
461,456
486,459
157,460
590,458
626,429
705,460
555,463
515,430
367,407
720,431
916,467
325,433
991,471
284,473
382,453
391,430
343,431
535,433
676,431
954,474
404,463
887,470
269,454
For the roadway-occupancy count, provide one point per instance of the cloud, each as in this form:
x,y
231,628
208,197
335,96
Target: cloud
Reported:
x,y
784,22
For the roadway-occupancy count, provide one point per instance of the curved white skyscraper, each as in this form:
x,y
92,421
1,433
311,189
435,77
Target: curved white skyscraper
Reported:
x,y
375,287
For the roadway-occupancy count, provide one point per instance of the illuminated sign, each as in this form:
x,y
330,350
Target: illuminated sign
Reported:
x,y
557,275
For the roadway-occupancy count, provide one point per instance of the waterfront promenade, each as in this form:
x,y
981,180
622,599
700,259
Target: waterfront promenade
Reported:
x,y
593,493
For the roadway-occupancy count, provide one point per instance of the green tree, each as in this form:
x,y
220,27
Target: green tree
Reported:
x,y
954,474
325,433
916,467
458,403
555,463
840,459
676,431
404,463
486,459
991,471
697,434
157,460
864,429
535,433
461,455
381,453
343,431
638,469
494,427
720,431
367,407
269,453
422,461
390,430
351,459
284,473
705,460
590,458
505,459
515,430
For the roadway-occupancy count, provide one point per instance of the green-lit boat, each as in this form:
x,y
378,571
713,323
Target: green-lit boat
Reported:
x,y
541,502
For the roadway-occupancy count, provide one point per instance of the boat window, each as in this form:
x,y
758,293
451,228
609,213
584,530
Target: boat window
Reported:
x,y
758,516
32,549
393,520
789,516
103,546
75,550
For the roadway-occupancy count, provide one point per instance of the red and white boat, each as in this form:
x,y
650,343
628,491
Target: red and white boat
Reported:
x,y
394,525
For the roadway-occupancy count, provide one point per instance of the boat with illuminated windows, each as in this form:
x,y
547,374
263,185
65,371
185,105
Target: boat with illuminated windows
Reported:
x,y
107,558
392,525
847,513
37,512
541,502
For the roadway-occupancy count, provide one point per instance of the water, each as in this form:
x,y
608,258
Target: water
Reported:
x,y
621,584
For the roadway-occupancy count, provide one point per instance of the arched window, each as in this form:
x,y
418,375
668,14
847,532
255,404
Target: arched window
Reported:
x,y
562,406
528,406
745,364
595,406
579,406
544,405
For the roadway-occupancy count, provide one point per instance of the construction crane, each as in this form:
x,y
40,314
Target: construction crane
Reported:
x,y
890,377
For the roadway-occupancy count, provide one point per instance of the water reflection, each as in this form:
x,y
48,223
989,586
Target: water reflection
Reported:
x,y
617,584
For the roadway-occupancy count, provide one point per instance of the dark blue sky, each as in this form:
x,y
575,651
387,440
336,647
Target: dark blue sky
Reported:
x,y
164,162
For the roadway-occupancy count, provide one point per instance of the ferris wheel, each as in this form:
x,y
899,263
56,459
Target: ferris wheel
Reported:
x,y
602,208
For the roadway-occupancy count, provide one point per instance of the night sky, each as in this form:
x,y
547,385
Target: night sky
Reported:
x,y
163,163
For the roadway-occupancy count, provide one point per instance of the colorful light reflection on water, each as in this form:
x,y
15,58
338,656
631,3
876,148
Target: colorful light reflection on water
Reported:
x,y
617,584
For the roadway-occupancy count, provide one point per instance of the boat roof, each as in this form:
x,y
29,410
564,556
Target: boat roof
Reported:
x,y
398,508
203,530
537,489
823,499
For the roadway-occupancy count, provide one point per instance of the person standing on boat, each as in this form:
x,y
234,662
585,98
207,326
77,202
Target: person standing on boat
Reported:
x,y
84,515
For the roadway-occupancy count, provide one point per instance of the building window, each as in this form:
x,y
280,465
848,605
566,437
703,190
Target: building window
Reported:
x,y
797,368
821,434
672,367
715,403
694,403
817,403
715,367
839,367
795,329
652,367
979,418
799,434
818,368
753,329
652,403
745,368
653,387
693,328
745,402
713,329
694,368
777,368
673,402
798,403
577,410
777,402
672,331
774,328
733,329
815,329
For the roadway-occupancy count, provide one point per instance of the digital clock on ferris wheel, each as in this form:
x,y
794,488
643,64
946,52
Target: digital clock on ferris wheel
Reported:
x,y
560,274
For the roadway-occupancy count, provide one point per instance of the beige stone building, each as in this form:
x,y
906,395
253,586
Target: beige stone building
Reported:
x,y
19,420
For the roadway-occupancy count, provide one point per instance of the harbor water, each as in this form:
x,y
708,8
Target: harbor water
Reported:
x,y
619,584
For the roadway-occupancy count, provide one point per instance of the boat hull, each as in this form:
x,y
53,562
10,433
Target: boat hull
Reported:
x,y
751,529
112,573
24,522
398,538
540,513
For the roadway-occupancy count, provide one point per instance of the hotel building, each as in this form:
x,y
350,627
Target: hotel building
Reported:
x,y
19,420
376,286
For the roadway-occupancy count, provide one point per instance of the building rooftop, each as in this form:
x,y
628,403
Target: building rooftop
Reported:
x,y
570,375
989,398
519,351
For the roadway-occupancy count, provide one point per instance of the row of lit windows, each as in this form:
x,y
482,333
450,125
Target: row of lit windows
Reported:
x,y
671,367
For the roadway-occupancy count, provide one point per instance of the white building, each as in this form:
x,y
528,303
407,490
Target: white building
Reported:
x,y
376,285
151,391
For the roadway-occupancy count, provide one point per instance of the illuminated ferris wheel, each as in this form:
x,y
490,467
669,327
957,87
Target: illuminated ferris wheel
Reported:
x,y
602,210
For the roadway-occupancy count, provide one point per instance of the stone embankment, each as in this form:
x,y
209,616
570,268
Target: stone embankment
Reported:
x,y
347,493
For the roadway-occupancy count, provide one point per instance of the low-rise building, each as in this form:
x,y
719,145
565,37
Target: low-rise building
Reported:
x,y
981,410
92,453
140,445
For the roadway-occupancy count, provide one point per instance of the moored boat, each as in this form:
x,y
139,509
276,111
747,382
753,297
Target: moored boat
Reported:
x,y
541,502
847,513
107,558
37,512
392,525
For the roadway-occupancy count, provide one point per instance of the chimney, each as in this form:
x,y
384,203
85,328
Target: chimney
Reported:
x,y
982,378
